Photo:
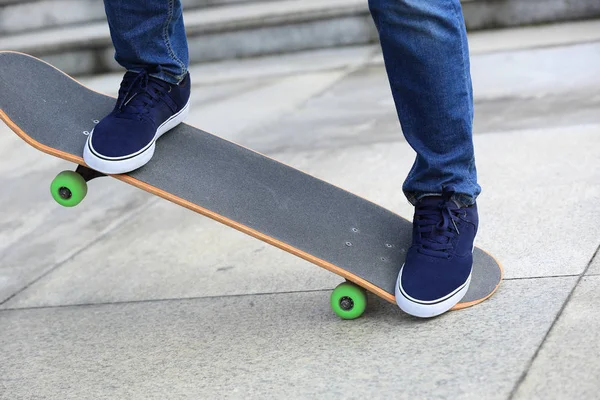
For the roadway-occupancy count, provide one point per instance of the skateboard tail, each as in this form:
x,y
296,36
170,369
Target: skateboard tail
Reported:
x,y
467,304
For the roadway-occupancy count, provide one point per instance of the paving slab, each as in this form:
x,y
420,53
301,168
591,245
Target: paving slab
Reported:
x,y
228,107
203,95
169,252
482,42
519,172
533,72
266,103
36,234
535,36
251,69
275,346
109,85
283,64
118,247
567,365
532,89
536,72
595,265
522,113
336,118
29,257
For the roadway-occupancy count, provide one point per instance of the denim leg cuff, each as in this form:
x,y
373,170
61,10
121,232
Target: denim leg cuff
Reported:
x,y
463,200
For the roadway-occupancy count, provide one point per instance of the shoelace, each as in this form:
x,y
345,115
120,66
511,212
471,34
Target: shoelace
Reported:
x,y
436,225
139,94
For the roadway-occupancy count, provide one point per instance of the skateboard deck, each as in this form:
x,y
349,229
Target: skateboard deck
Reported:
x,y
303,215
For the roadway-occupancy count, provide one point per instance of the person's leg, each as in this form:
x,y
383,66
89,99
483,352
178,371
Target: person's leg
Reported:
x,y
426,54
149,33
424,45
150,42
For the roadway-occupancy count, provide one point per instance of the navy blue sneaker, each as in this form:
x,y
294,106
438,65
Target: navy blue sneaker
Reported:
x,y
146,108
437,270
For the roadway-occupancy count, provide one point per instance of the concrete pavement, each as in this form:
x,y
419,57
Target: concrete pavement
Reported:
x,y
130,297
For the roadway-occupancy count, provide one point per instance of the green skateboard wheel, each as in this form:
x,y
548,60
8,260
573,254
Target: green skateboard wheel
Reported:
x,y
68,188
348,300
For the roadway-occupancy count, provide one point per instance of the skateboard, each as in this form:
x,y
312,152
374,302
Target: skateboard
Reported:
x,y
330,227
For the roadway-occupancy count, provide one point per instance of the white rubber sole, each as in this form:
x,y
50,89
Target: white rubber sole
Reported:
x,y
130,162
428,309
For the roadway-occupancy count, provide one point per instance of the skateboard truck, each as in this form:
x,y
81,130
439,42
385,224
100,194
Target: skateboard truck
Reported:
x,y
88,174
70,187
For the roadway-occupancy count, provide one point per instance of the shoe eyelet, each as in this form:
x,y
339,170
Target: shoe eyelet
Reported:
x,y
170,88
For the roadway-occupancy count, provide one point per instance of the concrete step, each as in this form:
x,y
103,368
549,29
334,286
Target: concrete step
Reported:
x,y
26,16
250,29
490,14
216,33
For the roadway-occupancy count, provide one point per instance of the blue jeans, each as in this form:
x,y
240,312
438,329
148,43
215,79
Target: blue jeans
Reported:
x,y
149,34
426,54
